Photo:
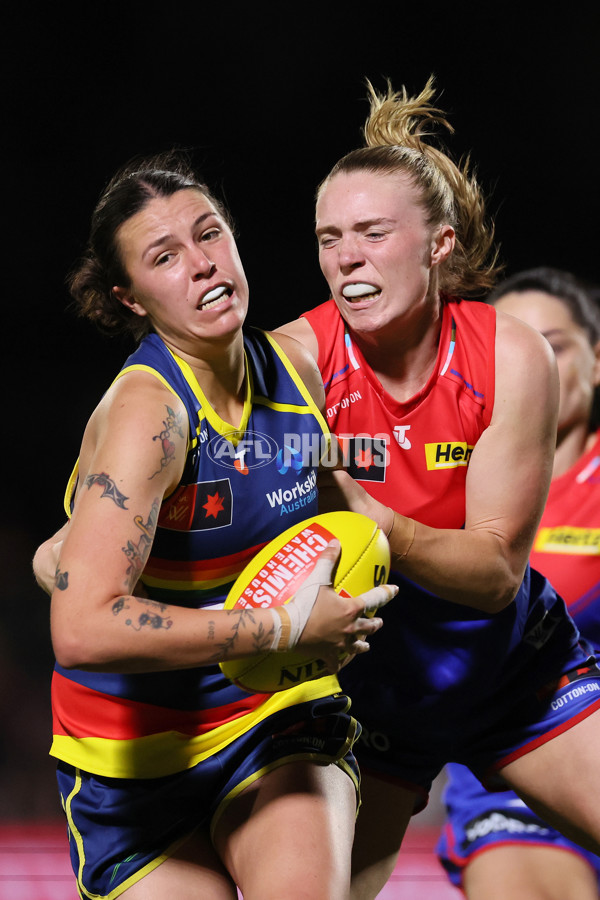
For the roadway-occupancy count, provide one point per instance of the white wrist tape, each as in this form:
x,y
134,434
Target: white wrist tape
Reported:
x,y
290,620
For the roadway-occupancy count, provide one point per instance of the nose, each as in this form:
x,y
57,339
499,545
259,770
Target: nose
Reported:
x,y
201,266
349,253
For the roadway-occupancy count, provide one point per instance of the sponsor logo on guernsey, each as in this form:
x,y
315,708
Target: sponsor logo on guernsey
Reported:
x,y
447,454
401,436
580,690
498,823
252,451
567,539
344,403
303,493
198,507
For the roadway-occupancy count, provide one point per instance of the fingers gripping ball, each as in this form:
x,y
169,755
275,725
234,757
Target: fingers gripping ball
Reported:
x,y
276,573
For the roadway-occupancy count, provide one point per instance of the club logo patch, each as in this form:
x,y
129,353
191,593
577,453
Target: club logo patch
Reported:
x,y
198,507
365,457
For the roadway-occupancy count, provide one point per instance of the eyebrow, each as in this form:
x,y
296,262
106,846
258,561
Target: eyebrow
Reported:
x,y
167,237
358,226
552,332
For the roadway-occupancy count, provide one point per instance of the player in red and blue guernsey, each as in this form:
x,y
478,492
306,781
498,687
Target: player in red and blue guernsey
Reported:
x,y
446,414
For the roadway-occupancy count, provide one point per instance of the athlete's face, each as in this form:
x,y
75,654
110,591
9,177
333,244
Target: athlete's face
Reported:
x,y
185,271
376,249
578,361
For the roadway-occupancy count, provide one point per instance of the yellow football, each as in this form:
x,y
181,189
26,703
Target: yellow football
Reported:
x,y
277,571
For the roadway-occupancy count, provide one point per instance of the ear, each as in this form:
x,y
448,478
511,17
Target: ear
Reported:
x,y
444,240
125,297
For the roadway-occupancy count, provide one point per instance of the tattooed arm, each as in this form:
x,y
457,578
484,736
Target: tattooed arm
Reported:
x,y
132,453
98,622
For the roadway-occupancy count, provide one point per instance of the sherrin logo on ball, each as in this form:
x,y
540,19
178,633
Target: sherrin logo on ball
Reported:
x,y
277,571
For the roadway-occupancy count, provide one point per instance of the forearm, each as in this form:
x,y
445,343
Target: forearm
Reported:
x,y
129,633
469,567
135,634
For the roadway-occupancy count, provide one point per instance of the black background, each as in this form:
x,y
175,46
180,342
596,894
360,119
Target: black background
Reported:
x,y
266,97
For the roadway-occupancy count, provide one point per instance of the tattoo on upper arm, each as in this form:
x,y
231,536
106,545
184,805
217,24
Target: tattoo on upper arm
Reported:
x,y
241,619
171,423
153,618
110,488
137,554
62,580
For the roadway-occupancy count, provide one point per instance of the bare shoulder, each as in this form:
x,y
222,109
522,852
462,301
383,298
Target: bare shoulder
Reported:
x,y
526,371
304,363
301,331
141,394
139,425
514,338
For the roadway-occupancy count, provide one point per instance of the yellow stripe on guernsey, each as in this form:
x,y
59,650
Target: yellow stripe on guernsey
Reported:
x,y
301,387
570,540
222,427
168,752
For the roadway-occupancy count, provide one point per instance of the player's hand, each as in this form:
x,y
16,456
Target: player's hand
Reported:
x,y
339,490
332,627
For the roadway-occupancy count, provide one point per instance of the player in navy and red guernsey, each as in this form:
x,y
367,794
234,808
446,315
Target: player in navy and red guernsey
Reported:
x,y
174,781
492,845
446,412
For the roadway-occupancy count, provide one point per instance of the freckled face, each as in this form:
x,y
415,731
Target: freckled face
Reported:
x,y
184,269
376,249
578,368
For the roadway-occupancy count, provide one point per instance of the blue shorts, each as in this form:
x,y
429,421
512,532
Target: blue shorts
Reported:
x,y
536,718
478,820
121,829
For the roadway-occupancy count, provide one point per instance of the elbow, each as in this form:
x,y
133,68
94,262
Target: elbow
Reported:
x,y
74,647
506,589
70,653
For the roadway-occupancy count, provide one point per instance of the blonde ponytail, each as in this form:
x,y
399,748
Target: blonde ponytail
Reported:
x,y
399,136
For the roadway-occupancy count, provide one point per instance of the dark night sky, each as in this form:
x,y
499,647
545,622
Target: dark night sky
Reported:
x,y
268,97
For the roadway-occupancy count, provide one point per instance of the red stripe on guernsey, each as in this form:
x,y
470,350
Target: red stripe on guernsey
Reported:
x,y
202,570
82,712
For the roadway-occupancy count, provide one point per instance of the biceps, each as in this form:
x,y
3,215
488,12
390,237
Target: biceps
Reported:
x,y
507,483
108,543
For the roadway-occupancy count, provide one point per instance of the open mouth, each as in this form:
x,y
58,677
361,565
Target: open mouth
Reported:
x,y
360,291
214,297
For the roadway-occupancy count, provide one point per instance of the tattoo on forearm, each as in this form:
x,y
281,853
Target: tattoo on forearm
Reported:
x,y
110,488
153,618
171,423
244,619
62,580
137,554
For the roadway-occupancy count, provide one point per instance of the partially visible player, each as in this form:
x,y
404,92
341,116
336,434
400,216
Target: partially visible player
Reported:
x,y
447,410
492,845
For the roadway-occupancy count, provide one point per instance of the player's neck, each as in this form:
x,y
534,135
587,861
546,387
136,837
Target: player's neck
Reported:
x,y
222,379
570,447
403,362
